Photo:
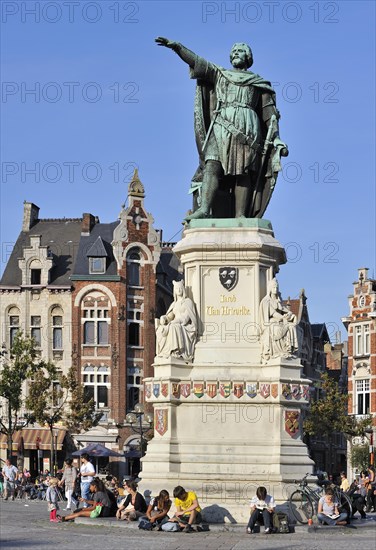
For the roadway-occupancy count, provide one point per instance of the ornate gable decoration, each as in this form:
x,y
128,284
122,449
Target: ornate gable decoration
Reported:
x,y
135,188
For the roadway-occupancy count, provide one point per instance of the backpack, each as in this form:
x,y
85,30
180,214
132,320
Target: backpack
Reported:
x,y
144,524
170,526
281,523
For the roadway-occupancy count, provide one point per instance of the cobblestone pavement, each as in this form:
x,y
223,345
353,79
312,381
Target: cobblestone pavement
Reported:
x,y
25,525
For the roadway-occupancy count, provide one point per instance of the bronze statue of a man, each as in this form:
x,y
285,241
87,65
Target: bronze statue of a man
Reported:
x,y
237,135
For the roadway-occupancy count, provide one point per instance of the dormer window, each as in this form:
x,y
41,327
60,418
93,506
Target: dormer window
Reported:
x,y
97,258
97,266
35,276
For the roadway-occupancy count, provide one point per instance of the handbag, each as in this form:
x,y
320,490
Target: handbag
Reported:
x,y
97,511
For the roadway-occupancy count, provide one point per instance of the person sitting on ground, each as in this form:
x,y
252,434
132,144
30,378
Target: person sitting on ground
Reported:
x,y
328,510
100,497
357,500
136,500
188,510
262,509
157,512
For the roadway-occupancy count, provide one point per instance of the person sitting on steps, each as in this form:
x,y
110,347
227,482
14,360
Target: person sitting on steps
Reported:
x,y
262,509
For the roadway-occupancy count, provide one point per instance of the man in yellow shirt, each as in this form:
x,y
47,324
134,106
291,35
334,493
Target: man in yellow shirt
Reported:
x,y
188,510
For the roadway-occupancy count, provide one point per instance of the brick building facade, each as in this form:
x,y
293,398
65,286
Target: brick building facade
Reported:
x,y
89,292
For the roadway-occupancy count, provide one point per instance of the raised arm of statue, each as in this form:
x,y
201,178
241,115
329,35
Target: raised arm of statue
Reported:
x,y
184,53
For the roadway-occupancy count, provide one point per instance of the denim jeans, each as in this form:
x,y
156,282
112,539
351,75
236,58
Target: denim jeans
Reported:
x,y
85,492
329,521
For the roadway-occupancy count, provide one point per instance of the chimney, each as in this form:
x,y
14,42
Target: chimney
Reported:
x,y
88,222
30,215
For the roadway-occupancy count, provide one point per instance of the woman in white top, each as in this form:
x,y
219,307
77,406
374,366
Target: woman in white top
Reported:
x,y
327,511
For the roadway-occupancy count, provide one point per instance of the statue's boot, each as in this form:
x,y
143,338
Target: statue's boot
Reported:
x,y
200,213
242,196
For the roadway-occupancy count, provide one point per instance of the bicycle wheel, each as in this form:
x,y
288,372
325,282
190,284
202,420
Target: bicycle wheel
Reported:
x,y
301,507
345,504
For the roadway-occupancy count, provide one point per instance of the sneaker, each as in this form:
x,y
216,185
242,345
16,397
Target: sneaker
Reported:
x,y
249,531
188,529
267,531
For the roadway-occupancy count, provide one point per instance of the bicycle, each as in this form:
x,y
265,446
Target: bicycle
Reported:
x,y
304,501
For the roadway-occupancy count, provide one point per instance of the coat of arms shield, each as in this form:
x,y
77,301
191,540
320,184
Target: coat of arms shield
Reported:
x,y
175,389
274,390
292,422
251,389
147,391
225,389
185,389
264,390
286,391
198,389
161,421
228,277
305,391
238,389
295,390
156,389
164,390
211,389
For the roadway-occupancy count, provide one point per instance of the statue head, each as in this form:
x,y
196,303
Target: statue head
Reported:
x,y
273,287
179,289
241,56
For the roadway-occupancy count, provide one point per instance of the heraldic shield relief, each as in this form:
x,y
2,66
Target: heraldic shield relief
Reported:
x,y
251,389
185,389
229,277
238,389
164,390
148,391
292,422
225,389
198,389
265,390
161,420
211,389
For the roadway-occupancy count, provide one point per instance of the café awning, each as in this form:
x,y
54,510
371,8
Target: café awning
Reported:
x,y
32,437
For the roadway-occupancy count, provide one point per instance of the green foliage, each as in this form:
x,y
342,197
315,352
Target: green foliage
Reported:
x,y
360,457
21,365
329,414
55,397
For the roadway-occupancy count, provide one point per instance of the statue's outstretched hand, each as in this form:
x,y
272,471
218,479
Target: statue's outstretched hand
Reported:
x,y
161,41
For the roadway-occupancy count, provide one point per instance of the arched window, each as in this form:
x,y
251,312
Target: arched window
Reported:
x,y
35,268
13,324
133,267
96,319
56,324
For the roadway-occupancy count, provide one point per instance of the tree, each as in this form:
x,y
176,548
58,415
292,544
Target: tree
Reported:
x,y
21,365
360,457
329,414
55,397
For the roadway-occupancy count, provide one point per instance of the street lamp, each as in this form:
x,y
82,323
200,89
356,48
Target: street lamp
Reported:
x,y
371,453
140,423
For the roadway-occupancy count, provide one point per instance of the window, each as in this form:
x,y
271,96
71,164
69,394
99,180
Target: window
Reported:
x,y
56,394
57,332
362,339
96,320
97,265
97,384
134,334
134,386
35,329
362,397
14,326
133,268
35,276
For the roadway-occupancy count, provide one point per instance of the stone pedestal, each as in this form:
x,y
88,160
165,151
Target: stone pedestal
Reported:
x,y
226,423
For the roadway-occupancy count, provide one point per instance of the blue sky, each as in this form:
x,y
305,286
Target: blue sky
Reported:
x,y
108,99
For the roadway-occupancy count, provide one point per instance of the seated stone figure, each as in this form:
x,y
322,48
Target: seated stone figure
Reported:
x,y
176,331
277,326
